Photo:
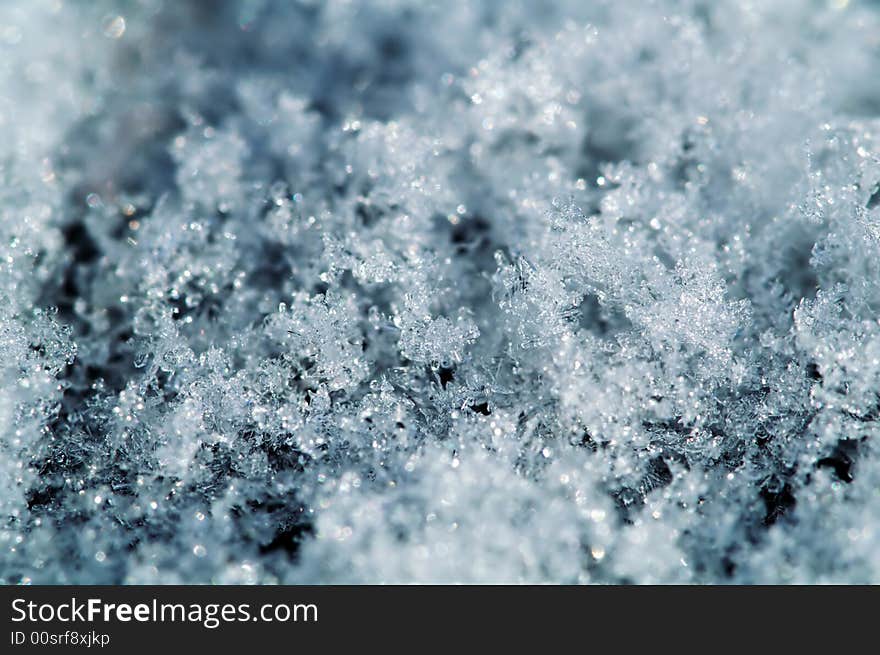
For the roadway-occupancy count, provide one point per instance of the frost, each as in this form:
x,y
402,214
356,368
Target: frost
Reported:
x,y
383,292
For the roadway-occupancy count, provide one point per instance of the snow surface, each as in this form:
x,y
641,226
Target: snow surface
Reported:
x,y
409,291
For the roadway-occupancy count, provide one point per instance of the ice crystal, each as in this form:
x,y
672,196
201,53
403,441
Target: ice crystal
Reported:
x,y
364,291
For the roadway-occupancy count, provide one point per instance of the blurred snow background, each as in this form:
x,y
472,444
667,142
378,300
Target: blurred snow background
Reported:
x,y
407,291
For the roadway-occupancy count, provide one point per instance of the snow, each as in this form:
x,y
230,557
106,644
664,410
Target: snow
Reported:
x,y
382,291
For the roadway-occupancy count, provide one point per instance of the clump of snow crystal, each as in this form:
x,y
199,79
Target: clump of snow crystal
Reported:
x,y
365,291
